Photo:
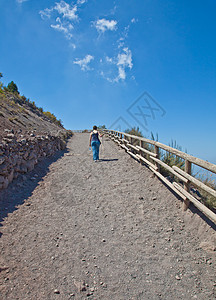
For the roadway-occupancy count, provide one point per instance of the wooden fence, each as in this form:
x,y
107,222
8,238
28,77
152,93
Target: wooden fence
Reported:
x,y
81,131
136,147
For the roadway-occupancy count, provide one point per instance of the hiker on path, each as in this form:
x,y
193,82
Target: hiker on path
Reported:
x,y
95,142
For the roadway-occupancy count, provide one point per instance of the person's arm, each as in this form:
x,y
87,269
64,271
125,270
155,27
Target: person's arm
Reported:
x,y
100,134
90,139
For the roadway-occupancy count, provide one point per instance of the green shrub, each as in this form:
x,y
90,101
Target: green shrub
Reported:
x,y
1,84
171,159
206,198
53,118
23,98
101,127
134,131
12,87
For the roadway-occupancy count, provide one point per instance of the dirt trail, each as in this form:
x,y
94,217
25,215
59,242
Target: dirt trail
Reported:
x,y
105,230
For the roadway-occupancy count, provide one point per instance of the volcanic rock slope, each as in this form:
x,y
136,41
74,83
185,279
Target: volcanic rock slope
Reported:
x,y
22,119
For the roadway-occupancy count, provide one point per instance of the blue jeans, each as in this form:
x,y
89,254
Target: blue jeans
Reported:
x,y
95,149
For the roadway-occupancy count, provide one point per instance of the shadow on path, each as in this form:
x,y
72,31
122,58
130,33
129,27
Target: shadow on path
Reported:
x,y
114,159
195,210
22,187
191,207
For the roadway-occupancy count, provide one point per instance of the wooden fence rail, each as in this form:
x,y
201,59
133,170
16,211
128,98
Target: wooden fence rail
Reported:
x,y
135,146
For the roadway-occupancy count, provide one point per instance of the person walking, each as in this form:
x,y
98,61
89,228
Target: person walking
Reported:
x,y
95,142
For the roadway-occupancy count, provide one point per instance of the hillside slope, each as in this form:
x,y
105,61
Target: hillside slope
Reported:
x,y
24,118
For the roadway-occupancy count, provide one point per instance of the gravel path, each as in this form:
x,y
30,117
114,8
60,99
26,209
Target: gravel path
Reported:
x,y
105,230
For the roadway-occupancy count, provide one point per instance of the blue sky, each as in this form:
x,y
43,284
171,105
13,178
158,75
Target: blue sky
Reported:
x,y
146,63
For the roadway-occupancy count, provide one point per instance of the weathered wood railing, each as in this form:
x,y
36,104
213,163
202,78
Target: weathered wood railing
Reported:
x,y
135,146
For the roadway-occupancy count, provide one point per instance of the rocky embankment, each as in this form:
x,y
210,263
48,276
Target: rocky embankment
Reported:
x,y
20,157
26,137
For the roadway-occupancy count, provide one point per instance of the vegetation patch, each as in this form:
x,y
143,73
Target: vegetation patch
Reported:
x,y
10,95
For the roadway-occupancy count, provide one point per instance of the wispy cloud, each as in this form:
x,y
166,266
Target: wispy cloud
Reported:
x,y
65,17
62,8
21,1
124,60
66,29
46,13
124,35
109,59
133,20
79,2
84,63
103,25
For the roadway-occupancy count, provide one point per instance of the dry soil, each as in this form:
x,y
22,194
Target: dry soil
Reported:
x,y
76,229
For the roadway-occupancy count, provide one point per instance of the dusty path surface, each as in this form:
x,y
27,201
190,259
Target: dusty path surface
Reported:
x,y
106,230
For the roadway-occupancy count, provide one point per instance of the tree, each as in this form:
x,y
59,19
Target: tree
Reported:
x,y
12,87
1,75
102,127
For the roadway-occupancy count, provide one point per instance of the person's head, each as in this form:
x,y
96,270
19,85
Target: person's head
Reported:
x,y
95,127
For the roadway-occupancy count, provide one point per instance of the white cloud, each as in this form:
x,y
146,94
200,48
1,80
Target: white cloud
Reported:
x,y
122,62
62,8
113,10
83,63
106,77
109,59
46,13
59,27
102,25
79,2
21,1
66,10
72,45
66,16
122,74
63,28
125,59
124,34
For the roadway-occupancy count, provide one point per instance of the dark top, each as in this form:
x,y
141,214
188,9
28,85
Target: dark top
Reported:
x,y
94,137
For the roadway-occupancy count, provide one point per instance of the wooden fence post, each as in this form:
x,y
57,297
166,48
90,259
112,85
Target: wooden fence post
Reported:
x,y
121,138
156,151
125,138
187,185
141,143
